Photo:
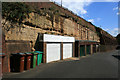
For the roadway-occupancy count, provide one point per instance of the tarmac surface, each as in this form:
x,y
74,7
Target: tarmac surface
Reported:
x,y
98,65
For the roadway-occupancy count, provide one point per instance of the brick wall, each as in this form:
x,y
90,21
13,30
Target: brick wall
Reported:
x,y
12,46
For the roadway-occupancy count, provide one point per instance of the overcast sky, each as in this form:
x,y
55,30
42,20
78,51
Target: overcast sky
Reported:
x,y
102,13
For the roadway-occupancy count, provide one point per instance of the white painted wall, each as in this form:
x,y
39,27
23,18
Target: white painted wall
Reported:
x,y
53,52
67,50
57,38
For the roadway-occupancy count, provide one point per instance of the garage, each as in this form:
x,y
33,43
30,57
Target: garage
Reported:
x,y
56,47
82,50
88,50
67,50
53,52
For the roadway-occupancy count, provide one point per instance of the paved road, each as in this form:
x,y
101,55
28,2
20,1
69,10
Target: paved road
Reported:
x,y
99,65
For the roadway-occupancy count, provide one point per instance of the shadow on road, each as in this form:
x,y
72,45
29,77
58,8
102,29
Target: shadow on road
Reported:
x,y
116,56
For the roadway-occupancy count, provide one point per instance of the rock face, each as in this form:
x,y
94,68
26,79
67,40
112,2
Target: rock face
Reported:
x,y
106,38
30,32
118,38
35,24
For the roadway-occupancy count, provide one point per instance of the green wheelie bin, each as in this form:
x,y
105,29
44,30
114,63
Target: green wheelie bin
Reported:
x,y
33,59
39,58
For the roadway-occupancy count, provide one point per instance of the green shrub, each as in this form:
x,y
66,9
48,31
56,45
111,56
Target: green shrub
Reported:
x,y
15,11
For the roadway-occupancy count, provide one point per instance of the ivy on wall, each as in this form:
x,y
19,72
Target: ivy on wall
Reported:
x,y
15,11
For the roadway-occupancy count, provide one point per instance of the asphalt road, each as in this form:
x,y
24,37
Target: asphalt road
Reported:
x,y
98,65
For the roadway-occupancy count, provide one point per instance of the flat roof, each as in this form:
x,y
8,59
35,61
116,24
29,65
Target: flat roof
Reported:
x,y
85,41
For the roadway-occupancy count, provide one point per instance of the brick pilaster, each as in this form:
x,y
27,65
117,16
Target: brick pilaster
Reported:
x,y
44,52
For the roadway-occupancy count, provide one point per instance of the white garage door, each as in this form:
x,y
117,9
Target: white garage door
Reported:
x,y
67,50
53,52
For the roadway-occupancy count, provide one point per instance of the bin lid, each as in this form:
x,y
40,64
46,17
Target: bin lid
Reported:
x,y
21,53
2,53
32,52
38,52
28,53
35,53
18,54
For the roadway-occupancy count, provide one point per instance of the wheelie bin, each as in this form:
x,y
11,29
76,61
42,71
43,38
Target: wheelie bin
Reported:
x,y
39,59
27,61
17,62
33,59
2,56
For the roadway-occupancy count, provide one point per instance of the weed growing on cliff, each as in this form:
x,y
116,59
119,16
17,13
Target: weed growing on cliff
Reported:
x,y
15,11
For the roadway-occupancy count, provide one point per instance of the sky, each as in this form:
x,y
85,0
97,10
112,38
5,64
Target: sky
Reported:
x,y
102,13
